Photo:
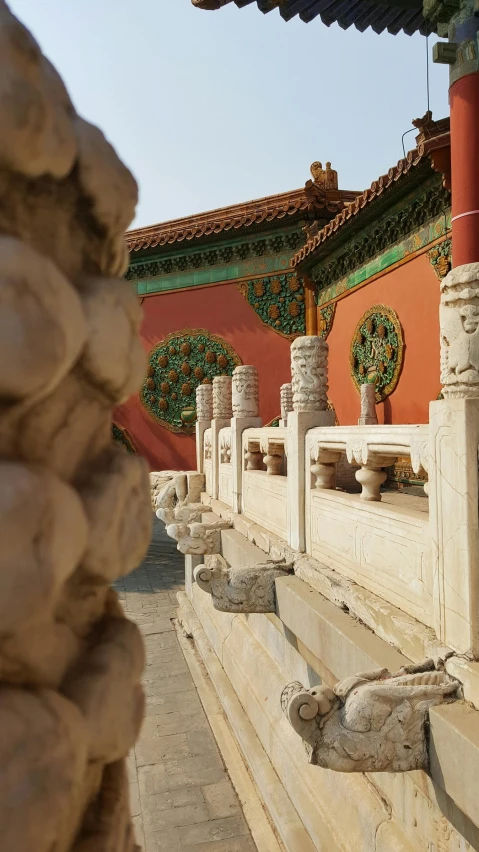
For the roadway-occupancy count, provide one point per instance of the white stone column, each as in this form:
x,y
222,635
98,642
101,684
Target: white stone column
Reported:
x,y
222,414
286,399
309,374
204,416
453,468
245,416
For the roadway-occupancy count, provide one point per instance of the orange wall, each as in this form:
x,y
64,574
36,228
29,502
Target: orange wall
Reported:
x,y
221,310
412,290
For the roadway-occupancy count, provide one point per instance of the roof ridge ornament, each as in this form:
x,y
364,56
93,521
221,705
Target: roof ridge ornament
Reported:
x,y
324,178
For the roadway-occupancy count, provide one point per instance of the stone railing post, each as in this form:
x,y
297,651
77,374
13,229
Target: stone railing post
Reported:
x,y
368,416
453,465
204,416
222,414
286,399
75,508
245,416
309,374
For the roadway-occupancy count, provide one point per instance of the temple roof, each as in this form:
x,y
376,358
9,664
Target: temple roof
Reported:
x,y
394,16
310,202
433,140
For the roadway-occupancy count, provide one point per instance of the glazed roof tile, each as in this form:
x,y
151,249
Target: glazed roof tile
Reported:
x,y
309,201
378,187
400,16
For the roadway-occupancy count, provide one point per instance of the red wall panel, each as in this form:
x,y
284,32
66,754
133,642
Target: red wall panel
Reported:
x,y
412,290
221,310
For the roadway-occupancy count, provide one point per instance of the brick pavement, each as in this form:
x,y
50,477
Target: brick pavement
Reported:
x,y
181,796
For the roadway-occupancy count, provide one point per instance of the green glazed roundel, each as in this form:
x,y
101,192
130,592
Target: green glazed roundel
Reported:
x,y
377,350
176,366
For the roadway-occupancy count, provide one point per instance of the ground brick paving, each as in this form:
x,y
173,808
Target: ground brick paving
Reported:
x,y
181,796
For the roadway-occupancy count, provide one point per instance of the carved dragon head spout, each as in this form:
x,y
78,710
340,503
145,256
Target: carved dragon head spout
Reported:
x,y
242,589
373,722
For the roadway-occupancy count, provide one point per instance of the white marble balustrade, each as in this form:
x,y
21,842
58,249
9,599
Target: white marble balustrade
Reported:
x,y
264,476
382,542
225,477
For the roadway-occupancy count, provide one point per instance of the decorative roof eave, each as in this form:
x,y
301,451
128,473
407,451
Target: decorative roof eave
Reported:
x,y
421,159
309,202
394,16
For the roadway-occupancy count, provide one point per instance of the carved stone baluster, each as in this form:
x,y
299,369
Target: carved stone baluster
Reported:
x,y
274,459
286,398
370,476
324,468
254,456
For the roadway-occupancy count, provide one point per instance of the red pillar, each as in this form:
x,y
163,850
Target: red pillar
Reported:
x,y
464,103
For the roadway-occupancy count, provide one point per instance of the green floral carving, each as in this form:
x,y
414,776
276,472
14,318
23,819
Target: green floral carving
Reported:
x,y
121,436
176,366
377,350
440,258
279,302
325,319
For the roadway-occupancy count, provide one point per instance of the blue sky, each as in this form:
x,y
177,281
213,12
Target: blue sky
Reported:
x,y
213,108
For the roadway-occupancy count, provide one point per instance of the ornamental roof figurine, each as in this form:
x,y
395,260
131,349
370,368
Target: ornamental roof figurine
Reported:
x,y
324,178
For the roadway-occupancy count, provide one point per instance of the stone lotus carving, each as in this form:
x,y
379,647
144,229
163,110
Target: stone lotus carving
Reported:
x,y
222,406
459,323
309,373
242,589
245,387
198,539
372,722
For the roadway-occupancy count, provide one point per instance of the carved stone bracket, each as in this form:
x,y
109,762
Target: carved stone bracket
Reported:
x,y
243,589
372,722
188,513
197,539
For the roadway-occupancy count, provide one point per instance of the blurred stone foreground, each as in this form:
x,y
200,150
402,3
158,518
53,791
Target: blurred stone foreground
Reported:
x,y
75,510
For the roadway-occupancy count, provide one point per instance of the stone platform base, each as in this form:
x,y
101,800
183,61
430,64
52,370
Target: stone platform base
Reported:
x,y
249,659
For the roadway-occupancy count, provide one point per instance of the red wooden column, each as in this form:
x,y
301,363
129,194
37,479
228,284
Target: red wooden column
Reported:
x,y
310,307
464,103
